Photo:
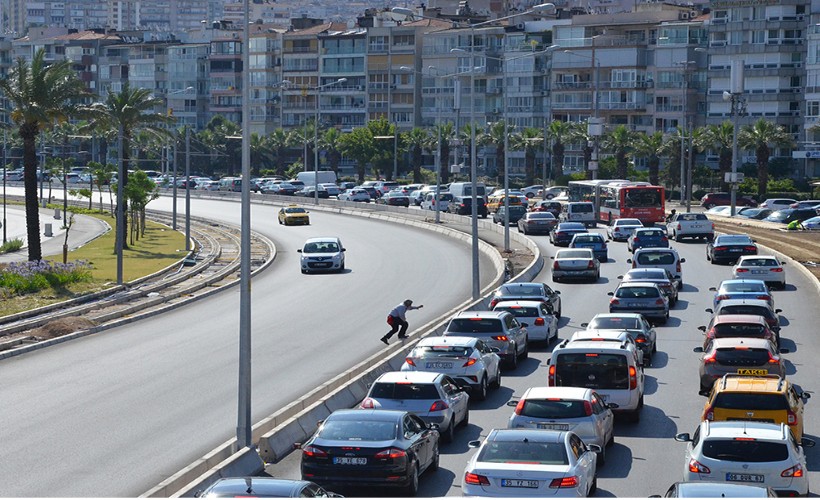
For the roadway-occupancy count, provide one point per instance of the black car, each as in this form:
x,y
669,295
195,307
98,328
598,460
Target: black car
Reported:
x,y
729,247
562,234
537,222
257,487
395,199
361,448
754,213
516,212
463,205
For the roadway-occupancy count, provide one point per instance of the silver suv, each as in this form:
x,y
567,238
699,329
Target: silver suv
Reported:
x,y
497,328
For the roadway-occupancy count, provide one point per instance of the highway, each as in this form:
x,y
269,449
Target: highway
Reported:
x,y
114,414
645,459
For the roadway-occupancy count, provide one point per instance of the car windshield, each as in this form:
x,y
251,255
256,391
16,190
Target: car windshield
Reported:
x,y
759,263
522,291
750,401
732,356
358,430
582,208
592,370
475,325
574,254
520,311
321,247
637,292
745,450
636,198
739,330
295,210
524,451
779,215
401,390
607,323
552,408
441,351
744,287
656,258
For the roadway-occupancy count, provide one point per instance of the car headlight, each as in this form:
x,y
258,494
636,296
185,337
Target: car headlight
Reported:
x,y
338,256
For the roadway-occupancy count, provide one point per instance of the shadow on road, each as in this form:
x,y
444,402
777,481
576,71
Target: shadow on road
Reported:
x,y
618,463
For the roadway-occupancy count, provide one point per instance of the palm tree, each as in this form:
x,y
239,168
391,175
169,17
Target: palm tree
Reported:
x,y
579,133
719,137
528,140
762,136
447,132
651,147
671,150
331,142
280,141
560,133
359,146
494,136
41,94
261,154
416,140
620,142
131,111
465,136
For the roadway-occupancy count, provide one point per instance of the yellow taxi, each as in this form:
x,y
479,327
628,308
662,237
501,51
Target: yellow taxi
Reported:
x,y
293,214
763,399
494,202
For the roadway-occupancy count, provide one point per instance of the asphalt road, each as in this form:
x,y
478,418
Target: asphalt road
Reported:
x,y
645,459
116,413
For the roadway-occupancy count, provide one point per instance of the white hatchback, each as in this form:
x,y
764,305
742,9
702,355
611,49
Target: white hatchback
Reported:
x,y
542,325
758,453
767,268
621,229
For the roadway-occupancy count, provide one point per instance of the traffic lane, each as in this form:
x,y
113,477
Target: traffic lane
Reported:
x,y
158,394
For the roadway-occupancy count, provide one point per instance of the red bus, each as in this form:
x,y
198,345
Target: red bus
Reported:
x,y
621,199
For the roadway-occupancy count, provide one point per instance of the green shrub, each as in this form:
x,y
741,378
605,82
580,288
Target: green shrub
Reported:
x,y
11,245
28,277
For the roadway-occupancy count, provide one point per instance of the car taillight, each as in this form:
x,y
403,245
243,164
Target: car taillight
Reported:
x,y
391,453
634,239
614,302
721,297
551,376
713,226
678,225
741,270
791,418
659,302
677,267
750,249
559,233
640,339
698,468
519,407
410,361
709,413
710,359
634,264
719,249
564,482
493,303
313,452
555,265
502,338
470,478
762,297
591,265
776,269
438,406
633,378
539,321
664,238
773,359
367,403
587,408
470,362
796,471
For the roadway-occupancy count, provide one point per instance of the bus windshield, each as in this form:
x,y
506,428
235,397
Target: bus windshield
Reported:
x,y
638,198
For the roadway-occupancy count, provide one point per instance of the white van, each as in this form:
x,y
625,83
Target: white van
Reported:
x,y
429,202
460,189
579,211
612,370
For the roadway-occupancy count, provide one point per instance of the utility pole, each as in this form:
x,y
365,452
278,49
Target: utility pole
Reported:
x,y
738,103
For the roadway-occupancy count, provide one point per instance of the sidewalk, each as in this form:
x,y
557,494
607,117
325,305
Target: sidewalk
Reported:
x,y
84,229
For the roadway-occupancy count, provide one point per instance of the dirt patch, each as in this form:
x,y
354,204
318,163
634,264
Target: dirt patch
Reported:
x,y
60,327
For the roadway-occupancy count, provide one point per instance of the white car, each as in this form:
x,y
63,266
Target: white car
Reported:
x,y
531,463
617,337
659,258
767,268
531,191
322,254
553,192
332,189
758,453
777,203
575,263
813,223
444,199
622,228
355,194
575,409
542,325
467,359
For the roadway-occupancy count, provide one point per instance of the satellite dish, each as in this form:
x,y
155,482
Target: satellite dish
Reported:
x,y
727,96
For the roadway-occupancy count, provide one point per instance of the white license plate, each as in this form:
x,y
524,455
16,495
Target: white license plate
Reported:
x,y
695,226
519,483
735,249
438,364
633,304
757,271
746,478
349,460
554,427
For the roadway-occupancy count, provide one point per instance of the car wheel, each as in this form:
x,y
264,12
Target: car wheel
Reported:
x,y
413,485
601,459
497,382
677,237
482,389
611,439
436,456
680,285
559,317
342,268
594,486
466,420
555,280
450,434
526,353
550,196
280,221
654,348
514,358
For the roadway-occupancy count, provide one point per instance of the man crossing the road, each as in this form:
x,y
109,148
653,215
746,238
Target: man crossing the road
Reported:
x,y
397,320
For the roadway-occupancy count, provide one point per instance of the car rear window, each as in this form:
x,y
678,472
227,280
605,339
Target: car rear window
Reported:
x,y
520,311
541,215
394,390
750,401
654,233
647,274
522,291
444,351
524,452
731,356
759,262
592,370
548,408
592,238
733,239
745,450
637,292
656,258
739,330
614,323
692,217
745,309
359,430
475,325
581,208
574,254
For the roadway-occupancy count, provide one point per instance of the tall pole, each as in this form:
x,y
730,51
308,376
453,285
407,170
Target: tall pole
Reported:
x,y
120,205
689,169
438,157
596,106
187,191
4,185
736,99
243,426
473,172
316,148
174,204
506,165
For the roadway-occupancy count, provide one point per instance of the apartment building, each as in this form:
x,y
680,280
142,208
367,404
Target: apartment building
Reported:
x,y
341,93
266,85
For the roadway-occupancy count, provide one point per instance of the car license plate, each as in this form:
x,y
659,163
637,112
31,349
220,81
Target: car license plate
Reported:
x,y
758,271
519,483
749,371
554,427
349,460
746,478
438,364
735,249
633,304
696,226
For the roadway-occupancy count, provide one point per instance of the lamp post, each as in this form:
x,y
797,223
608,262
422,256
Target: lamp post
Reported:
x,y
686,126
174,161
316,139
738,108
4,185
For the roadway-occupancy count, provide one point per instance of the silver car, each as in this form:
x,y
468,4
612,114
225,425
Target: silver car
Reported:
x,y
575,263
466,359
641,298
434,397
767,268
575,409
497,328
542,325
621,229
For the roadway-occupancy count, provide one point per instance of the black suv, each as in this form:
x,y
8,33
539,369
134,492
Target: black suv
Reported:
x,y
516,212
463,205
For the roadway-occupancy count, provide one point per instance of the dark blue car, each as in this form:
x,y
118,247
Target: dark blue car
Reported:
x,y
594,241
647,237
562,234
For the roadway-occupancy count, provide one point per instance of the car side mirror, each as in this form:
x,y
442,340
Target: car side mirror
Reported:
x,y
698,349
682,261
778,310
612,406
297,446
584,325
512,403
784,351
495,349
552,257
704,392
712,289
558,292
709,310
594,448
344,249
782,263
300,250
525,325
611,294
629,261
620,277
683,437
702,328
433,426
474,444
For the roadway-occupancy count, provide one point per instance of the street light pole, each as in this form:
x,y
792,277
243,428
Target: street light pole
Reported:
x,y
187,191
4,185
738,103
120,205
316,139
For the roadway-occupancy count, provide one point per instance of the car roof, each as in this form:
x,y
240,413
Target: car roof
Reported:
x,y
751,429
617,315
648,230
556,392
591,346
628,222
655,250
607,334
704,489
454,341
743,280
532,435
519,303
739,318
634,284
751,343
414,377
744,383
358,414
256,486
480,314
512,286
748,257
322,239
563,251
743,302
